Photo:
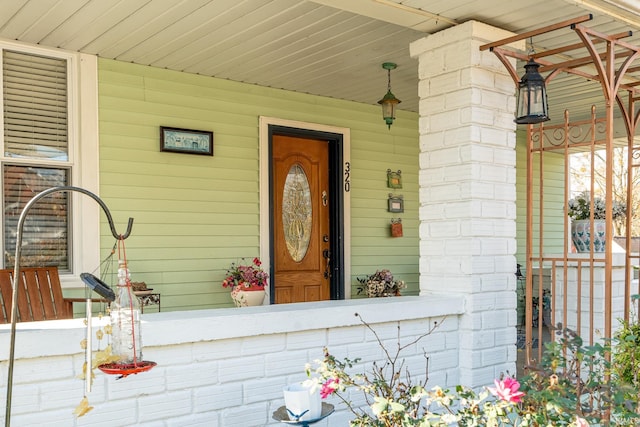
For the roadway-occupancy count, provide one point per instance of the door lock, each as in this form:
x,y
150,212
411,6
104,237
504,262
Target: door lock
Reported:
x,y
327,267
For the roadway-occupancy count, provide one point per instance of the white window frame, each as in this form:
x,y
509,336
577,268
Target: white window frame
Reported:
x,y
82,72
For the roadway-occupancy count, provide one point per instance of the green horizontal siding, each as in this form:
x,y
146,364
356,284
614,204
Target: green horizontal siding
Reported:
x,y
553,217
195,215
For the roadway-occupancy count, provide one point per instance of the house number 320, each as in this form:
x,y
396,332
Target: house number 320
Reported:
x,y
347,177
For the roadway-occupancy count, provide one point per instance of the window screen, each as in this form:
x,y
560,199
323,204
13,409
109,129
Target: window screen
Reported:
x,y
46,227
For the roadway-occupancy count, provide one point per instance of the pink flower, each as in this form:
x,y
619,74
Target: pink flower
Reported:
x,y
507,390
248,277
581,422
329,387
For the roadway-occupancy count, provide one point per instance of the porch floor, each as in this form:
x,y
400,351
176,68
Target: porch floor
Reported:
x,y
520,344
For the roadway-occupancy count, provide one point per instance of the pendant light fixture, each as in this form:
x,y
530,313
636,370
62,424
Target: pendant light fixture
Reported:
x,y
389,101
532,95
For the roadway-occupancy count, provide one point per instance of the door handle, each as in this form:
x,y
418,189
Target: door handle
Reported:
x,y
327,267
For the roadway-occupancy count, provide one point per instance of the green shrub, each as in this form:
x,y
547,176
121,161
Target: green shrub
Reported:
x,y
573,386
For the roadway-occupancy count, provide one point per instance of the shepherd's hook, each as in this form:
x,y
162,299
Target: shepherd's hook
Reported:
x,y
16,272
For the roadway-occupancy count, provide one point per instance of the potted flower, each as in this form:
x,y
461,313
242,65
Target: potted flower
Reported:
x,y
380,284
582,234
247,283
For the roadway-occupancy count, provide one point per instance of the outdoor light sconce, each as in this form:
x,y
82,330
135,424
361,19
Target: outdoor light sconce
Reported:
x,y
389,101
532,96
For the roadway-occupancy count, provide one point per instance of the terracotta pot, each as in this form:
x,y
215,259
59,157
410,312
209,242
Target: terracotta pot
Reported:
x,y
243,298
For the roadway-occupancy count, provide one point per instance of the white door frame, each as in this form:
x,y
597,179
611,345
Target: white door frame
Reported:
x,y
265,203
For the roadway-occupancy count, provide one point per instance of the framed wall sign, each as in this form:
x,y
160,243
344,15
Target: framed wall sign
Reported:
x,y
396,204
396,227
394,179
188,141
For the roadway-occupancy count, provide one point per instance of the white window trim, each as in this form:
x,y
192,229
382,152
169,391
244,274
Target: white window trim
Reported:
x,y
83,155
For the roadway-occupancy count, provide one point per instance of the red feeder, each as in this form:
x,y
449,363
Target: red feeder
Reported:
x,y
126,338
124,369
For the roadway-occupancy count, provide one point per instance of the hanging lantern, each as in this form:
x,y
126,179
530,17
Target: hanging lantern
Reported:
x,y
532,96
389,101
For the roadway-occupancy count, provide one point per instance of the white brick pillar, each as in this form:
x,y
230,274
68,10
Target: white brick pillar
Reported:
x,y
468,191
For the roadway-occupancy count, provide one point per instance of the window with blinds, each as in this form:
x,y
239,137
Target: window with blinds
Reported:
x,y
35,106
36,154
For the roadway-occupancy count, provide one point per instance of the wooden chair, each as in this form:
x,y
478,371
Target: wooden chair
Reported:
x,y
39,295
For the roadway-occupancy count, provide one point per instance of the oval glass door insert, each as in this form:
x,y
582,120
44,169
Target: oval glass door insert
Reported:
x,y
297,212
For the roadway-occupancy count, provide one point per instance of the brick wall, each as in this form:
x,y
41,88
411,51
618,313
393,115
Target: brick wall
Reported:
x,y
468,192
585,297
223,367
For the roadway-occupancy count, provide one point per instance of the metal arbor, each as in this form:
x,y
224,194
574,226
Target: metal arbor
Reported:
x,y
608,61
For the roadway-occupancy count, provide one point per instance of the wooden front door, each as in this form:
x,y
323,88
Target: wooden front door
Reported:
x,y
300,219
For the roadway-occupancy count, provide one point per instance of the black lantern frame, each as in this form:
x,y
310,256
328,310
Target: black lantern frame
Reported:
x,y
532,96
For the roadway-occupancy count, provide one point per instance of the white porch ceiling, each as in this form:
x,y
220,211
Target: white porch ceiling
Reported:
x,y
331,48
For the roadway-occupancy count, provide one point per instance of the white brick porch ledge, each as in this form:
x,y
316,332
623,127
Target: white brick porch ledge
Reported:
x,y
223,367
60,337
288,318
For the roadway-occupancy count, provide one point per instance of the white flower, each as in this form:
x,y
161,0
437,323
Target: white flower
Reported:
x,y
449,418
